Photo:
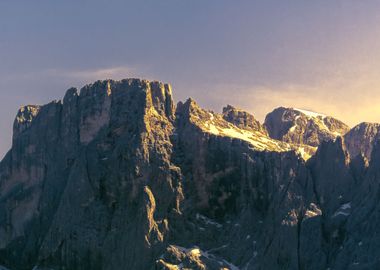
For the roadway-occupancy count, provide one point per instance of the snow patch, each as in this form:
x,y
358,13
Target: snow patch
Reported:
x,y
215,125
208,221
346,206
319,119
344,210
310,113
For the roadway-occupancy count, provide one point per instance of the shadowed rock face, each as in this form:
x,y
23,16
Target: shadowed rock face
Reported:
x,y
303,127
116,177
361,140
85,175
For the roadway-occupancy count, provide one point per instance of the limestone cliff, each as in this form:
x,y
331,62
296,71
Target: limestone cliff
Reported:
x,y
115,176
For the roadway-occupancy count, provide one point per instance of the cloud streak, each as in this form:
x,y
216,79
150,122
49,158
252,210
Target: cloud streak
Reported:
x,y
88,75
116,73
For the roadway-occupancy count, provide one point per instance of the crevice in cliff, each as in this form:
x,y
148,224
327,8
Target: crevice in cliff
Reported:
x,y
299,229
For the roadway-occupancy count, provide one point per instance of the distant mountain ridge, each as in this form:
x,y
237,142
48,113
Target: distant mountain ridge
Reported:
x,y
303,127
116,176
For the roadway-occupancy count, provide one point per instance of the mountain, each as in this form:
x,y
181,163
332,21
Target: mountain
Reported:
x,y
361,140
237,124
242,119
116,176
303,127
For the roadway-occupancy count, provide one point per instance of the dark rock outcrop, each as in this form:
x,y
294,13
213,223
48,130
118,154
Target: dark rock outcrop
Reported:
x,y
361,139
78,181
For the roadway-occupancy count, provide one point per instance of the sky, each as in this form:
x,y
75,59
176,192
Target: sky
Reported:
x,y
257,55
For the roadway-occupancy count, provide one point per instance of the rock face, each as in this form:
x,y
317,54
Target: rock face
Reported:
x,y
117,177
361,140
86,174
242,119
303,127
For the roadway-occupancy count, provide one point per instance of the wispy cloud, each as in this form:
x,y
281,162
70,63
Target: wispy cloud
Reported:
x,y
118,72
84,75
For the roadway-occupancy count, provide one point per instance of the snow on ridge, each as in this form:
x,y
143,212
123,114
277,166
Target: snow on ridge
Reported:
x,y
310,113
318,118
257,139
213,123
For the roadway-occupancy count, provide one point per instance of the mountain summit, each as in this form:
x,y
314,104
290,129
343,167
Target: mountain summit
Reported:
x,y
303,127
116,176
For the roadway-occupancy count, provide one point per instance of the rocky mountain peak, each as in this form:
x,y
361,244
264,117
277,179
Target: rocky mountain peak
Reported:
x,y
302,126
241,126
189,104
360,140
71,94
96,102
242,119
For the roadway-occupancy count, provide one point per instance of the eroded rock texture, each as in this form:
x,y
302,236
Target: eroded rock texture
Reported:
x,y
242,119
303,127
117,177
361,139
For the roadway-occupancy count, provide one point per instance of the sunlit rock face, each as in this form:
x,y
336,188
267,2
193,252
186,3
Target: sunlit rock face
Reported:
x,y
242,119
303,127
24,118
115,176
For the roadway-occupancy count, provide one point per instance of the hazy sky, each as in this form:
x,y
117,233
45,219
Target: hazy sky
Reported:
x,y
322,55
